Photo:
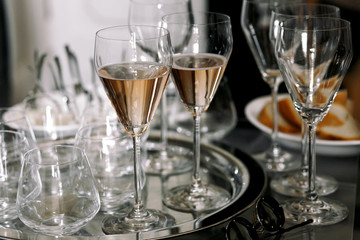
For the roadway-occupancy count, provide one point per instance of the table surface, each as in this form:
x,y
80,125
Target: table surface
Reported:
x,y
343,169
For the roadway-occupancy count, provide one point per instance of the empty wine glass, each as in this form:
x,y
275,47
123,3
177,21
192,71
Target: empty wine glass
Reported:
x,y
134,62
13,146
255,22
198,66
314,54
296,183
162,158
57,194
108,148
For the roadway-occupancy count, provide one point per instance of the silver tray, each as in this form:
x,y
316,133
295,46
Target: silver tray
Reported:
x,y
231,169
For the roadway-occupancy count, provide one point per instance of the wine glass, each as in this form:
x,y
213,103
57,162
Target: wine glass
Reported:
x,y
314,54
133,63
13,146
296,183
161,157
56,193
108,148
198,66
255,22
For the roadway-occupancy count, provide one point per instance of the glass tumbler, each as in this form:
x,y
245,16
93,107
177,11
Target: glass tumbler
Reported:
x,y
57,194
13,146
109,150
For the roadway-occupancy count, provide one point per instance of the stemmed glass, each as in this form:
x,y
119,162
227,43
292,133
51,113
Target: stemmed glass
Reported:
x,y
255,22
198,67
161,158
296,183
314,54
134,79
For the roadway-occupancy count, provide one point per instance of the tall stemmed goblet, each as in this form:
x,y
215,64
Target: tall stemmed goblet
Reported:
x,y
296,183
255,22
134,80
161,158
198,68
314,55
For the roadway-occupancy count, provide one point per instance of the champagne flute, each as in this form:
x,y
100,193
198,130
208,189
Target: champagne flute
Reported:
x,y
255,22
161,158
314,54
134,80
198,67
296,183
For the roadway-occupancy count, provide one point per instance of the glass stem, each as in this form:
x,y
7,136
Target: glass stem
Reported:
x,y
275,123
138,210
304,149
163,123
196,181
311,193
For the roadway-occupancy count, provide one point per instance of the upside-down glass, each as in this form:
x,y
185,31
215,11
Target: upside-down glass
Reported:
x,y
162,158
198,67
13,146
134,79
296,183
108,148
255,22
56,193
314,54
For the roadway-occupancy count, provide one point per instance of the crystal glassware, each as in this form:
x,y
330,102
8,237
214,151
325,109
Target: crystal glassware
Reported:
x,y
57,194
314,54
255,22
13,146
162,158
134,62
108,148
199,63
296,183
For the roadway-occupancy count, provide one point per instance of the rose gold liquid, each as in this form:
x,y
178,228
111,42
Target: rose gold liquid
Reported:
x,y
135,90
197,77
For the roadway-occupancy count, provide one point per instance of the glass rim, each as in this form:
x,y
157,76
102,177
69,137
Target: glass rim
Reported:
x,y
345,24
101,33
226,18
335,8
53,163
80,133
20,135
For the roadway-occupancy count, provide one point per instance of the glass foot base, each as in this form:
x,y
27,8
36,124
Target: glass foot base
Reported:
x,y
296,185
172,161
323,212
123,224
278,161
208,198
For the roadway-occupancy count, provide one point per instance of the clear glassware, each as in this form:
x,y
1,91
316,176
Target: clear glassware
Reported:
x,y
52,115
57,194
200,59
255,23
162,158
109,150
216,122
134,62
296,183
13,146
314,54
15,119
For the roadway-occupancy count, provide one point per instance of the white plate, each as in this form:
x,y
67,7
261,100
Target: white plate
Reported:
x,y
293,141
